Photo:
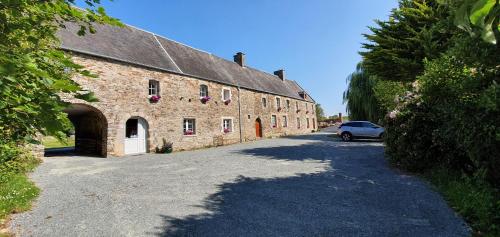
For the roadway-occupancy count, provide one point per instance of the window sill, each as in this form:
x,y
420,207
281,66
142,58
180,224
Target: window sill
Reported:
x,y
193,135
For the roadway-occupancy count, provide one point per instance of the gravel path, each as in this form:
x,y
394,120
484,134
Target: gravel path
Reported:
x,y
299,186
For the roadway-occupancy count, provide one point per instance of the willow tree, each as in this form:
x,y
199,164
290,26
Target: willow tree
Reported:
x,y
360,98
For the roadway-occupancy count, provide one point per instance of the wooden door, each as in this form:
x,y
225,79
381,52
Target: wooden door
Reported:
x,y
258,129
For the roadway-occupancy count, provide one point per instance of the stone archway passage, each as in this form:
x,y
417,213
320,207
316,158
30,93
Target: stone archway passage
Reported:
x,y
91,129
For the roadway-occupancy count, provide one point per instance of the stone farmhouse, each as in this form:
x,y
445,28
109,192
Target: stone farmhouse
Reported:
x,y
153,90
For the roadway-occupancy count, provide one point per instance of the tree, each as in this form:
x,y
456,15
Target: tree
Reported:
x,y
396,48
360,97
33,70
320,113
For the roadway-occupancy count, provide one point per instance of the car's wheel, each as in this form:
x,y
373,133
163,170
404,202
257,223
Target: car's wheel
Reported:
x,y
346,137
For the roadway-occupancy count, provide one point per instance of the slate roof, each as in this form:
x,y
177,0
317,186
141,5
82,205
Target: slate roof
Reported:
x,y
136,46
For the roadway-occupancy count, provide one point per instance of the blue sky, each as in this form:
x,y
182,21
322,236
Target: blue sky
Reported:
x,y
316,41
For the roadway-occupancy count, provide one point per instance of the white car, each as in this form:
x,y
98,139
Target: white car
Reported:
x,y
359,129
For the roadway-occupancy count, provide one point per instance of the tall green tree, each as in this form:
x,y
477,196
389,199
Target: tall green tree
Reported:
x,y
396,48
320,113
33,70
360,97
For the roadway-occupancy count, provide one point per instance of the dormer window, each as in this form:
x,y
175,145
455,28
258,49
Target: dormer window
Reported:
x,y
303,94
154,88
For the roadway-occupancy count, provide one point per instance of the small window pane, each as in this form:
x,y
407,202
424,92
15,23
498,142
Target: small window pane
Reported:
x,y
131,128
227,94
273,121
264,102
203,91
154,87
288,104
298,122
285,122
189,127
227,125
278,102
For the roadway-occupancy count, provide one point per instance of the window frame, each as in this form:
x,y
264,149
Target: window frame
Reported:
x,y
231,124
202,88
264,102
185,126
274,121
308,124
222,94
288,104
153,87
298,123
284,122
278,102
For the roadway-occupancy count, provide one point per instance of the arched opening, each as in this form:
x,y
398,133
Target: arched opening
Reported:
x,y
258,128
136,134
91,129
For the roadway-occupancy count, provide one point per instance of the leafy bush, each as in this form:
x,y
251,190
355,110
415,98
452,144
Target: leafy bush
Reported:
x,y
477,201
15,158
165,148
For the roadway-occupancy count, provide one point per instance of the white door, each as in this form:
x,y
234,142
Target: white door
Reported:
x,y
135,136
141,138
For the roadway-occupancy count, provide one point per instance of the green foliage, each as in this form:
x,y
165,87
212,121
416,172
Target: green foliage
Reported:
x,y
386,93
320,113
449,116
480,17
360,97
397,47
52,142
33,71
16,194
477,201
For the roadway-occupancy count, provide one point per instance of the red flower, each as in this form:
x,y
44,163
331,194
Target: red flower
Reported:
x,y
154,98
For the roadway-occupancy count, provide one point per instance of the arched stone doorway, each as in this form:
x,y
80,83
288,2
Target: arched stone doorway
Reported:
x,y
91,129
136,136
258,128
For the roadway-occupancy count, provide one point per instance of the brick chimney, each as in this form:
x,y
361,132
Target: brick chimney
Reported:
x,y
280,73
239,58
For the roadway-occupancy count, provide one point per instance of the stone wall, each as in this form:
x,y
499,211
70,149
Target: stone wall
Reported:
x,y
122,90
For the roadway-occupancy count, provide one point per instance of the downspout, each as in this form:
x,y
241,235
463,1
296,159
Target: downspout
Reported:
x,y
239,114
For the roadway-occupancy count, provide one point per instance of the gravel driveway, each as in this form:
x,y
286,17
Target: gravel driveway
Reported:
x,y
310,185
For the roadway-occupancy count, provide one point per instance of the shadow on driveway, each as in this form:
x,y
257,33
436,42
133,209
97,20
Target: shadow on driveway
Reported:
x,y
358,196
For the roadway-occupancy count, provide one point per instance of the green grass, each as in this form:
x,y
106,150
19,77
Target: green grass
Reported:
x,y
52,142
475,200
16,194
